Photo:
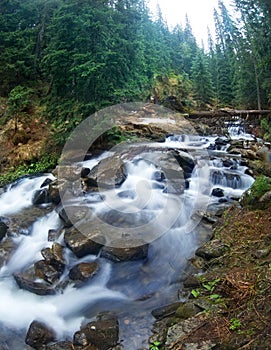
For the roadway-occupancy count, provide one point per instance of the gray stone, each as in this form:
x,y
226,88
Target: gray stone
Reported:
x,y
211,250
103,333
39,334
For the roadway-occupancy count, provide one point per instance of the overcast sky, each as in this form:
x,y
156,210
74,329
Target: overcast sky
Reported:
x,y
200,13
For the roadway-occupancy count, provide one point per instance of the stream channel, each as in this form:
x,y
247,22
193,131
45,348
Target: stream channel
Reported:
x,y
164,210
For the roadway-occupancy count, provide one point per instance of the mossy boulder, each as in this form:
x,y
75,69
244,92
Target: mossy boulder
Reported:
x,y
259,195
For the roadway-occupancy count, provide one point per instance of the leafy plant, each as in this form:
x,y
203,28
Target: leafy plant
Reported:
x,y
210,285
235,323
195,293
155,345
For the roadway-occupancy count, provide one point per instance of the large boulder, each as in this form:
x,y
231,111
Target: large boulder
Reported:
x,y
39,334
258,195
103,333
109,173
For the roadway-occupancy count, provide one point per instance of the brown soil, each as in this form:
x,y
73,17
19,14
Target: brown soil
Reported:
x,y
241,315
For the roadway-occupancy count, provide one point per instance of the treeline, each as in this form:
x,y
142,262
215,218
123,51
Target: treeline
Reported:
x,y
80,56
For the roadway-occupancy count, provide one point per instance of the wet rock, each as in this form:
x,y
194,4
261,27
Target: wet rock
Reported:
x,y
53,235
84,271
211,250
218,192
39,334
3,230
175,167
46,271
54,190
63,345
103,333
55,256
85,172
124,252
109,173
81,244
227,163
41,197
27,280
46,182
186,162
70,215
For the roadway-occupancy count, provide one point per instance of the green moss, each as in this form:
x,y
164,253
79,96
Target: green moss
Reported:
x,y
45,164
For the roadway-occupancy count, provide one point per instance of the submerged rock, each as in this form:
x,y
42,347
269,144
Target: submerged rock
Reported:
x,y
39,334
103,333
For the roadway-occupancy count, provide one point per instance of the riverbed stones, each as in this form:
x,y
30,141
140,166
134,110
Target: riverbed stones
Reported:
x,y
103,333
39,334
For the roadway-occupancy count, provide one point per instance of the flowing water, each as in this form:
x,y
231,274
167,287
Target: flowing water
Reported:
x,y
131,289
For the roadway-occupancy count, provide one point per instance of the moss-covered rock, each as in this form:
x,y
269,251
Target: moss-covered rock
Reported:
x,y
259,195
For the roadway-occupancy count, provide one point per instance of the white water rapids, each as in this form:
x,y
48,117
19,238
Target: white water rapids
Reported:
x,y
131,289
